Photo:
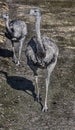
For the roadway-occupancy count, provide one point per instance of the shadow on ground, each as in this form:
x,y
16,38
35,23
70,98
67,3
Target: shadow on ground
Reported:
x,y
5,53
20,83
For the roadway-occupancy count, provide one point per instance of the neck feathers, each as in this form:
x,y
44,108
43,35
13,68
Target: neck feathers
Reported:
x,y
37,27
7,25
40,48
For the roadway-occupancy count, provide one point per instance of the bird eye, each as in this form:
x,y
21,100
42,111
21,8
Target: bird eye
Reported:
x,y
35,11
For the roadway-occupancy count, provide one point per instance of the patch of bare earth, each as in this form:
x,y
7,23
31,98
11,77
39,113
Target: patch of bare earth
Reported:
x,y
18,110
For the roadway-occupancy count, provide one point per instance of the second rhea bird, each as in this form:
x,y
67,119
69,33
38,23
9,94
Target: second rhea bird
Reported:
x,y
16,31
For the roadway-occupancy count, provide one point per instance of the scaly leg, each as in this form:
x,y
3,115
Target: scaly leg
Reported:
x,y
49,71
37,87
20,50
14,55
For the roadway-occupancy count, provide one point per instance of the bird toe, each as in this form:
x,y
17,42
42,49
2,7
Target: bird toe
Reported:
x,y
45,109
18,63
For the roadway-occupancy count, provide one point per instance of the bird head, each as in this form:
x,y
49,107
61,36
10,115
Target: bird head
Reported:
x,y
35,12
5,16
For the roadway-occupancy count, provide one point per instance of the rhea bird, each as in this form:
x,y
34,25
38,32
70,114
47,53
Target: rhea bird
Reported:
x,y
16,31
41,52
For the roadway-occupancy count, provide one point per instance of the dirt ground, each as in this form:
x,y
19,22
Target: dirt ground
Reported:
x,y
18,109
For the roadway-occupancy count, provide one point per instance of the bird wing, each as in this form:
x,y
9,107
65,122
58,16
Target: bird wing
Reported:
x,y
49,49
18,28
31,51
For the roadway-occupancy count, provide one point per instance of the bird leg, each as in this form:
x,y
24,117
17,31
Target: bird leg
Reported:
x,y
45,108
20,50
14,55
49,71
37,88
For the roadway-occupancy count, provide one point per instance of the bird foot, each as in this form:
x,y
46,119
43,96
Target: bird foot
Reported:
x,y
38,98
18,63
45,109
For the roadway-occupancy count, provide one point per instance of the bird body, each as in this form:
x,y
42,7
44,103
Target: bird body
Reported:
x,y
41,52
18,29
38,59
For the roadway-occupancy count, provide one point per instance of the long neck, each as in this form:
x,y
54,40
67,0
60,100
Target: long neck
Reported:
x,y
37,27
7,25
38,34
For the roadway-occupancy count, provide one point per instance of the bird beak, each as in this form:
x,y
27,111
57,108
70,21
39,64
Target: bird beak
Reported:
x,y
31,12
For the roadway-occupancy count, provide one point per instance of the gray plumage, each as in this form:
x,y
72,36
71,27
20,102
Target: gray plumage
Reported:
x,y
16,31
41,53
